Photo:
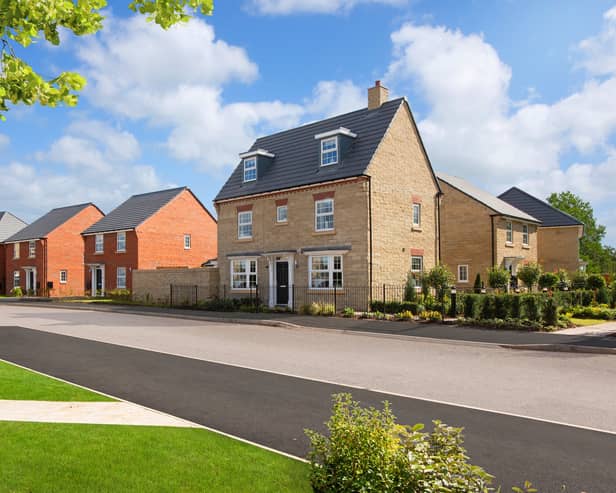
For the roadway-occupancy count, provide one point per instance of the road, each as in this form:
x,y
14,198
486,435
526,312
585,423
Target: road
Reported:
x,y
237,378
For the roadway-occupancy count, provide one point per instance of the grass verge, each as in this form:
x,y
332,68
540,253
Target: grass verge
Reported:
x,y
77,458
585,322
19,384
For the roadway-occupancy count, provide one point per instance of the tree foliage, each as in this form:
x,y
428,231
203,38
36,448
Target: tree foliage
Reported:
x,y
529,274
23,22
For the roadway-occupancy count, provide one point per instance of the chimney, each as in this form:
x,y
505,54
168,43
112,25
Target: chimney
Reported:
x,y
377,95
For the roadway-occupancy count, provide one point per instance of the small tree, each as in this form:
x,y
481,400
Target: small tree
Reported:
x,y
578,281
440,278
477,286
595,281
563,279
498,278
410,291
548,280
529,274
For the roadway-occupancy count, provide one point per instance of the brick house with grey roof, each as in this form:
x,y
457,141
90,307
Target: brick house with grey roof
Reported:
x,y
9,225
558,236
344,202
162,229
46,257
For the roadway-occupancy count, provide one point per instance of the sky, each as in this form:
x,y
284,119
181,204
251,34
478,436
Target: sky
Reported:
x,y
505,93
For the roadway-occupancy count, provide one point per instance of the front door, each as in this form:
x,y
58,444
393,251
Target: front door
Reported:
x,y
282,283
30,281
98,281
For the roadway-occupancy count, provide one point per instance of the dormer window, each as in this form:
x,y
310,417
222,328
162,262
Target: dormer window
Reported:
x,y
329,151
250,169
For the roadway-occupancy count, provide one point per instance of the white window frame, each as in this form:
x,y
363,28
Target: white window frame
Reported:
x,y
460,267
63,276
118,277
417,208
334,151
16,250
420,257
525,235
280,208
331,270
98,243
250,167
243,235
246,274
16,277
318,215
187,242
509,232
121,234
32,249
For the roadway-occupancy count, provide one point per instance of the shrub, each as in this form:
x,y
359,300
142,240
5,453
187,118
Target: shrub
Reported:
x,y
17,292
563,298
410,288
530,305
310,309
470,305
440,278
578,281
593,312
498,278
603,296
119,294
487,307
516,307
348,312
563,279
595,281
368,451
548,280
326,309
431,315
501,306
478,285
406,315
529,274
550,312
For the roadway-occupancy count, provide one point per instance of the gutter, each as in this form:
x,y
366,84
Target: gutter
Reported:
x,y
370,226
493,242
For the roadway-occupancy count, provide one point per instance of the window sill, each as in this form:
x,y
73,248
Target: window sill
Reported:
x,y
120,251
326,290
244,240
99,253
419,229
508,244
243,290
281,223
324,233
526,247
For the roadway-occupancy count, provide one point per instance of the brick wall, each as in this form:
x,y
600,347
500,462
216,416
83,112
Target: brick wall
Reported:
x,y
24,261
111,258
401,175
526,253
153,285
3,289
559,248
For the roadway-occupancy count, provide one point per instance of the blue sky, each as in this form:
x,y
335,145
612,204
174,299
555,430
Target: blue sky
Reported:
x,y
505,93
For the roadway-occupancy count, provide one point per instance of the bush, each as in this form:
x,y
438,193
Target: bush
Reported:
x,y
431,315
603,296
310,309
498,278
406,315
548,280
592,312
550,312
220,305
487,307
563,298
348,312
17,292
327,309
516,307
119,294
595,281
471,302
501,306
578,281
410,291
529,274
368,451
478,285
531,309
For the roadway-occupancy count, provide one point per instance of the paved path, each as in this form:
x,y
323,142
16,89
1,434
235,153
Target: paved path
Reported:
x,y
273,409
104,413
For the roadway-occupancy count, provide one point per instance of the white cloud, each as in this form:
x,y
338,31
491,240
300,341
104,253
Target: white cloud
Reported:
x,y
4,141
286,7
331,97
598,53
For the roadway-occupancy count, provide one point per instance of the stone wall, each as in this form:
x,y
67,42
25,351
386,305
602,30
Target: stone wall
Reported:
x,y
153,285
559,248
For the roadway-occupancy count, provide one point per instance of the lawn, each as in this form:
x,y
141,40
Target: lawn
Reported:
x,y
584,322
19,384
39,457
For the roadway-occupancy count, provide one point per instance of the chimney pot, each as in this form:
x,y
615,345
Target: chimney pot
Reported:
x,y
377,95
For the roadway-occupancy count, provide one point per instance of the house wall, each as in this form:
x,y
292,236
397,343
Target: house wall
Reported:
x,y
401,175
526,253
3,289
559,248
154,285
350,223
24,260
111,259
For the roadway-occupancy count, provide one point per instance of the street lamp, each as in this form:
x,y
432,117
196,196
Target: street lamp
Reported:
x,y
454,310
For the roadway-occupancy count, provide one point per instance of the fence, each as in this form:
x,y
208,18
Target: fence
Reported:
x,y
359,298
192,295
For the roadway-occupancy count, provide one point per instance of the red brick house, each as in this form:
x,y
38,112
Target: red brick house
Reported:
x,y
9,225
168,228
46,257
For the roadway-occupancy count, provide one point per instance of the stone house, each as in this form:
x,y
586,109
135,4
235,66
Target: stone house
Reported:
x,y
163,229
479,230
46,257
9,225
558,236
349,201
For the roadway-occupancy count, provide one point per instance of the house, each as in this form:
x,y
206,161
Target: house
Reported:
x,y
9,225
479,230
167,228
346,202
558,236
46,257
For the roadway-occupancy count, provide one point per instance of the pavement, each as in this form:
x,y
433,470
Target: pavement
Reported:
x,y
273,409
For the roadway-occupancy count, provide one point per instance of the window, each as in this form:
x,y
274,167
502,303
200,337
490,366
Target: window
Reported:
x,y
63,276
462,273
187,242
324,215
98,244
243,274
250,169
325,271
244,224
121,278
31,249
16,279
121,241
329,151
15,250
525,234
281,214
509,226
416,264
417,215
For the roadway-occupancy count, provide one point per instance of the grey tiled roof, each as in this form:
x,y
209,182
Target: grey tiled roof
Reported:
x,y
134,211
297,153
47,223
549,215
497,205
9,225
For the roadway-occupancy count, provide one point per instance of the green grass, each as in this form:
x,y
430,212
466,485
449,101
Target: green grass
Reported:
x,y
584,322
42,457
19,384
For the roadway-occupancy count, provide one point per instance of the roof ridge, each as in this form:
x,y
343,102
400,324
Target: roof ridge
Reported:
x,y
156,191
544,202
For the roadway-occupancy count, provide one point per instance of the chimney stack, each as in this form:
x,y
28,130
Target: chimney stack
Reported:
x,y
377,95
